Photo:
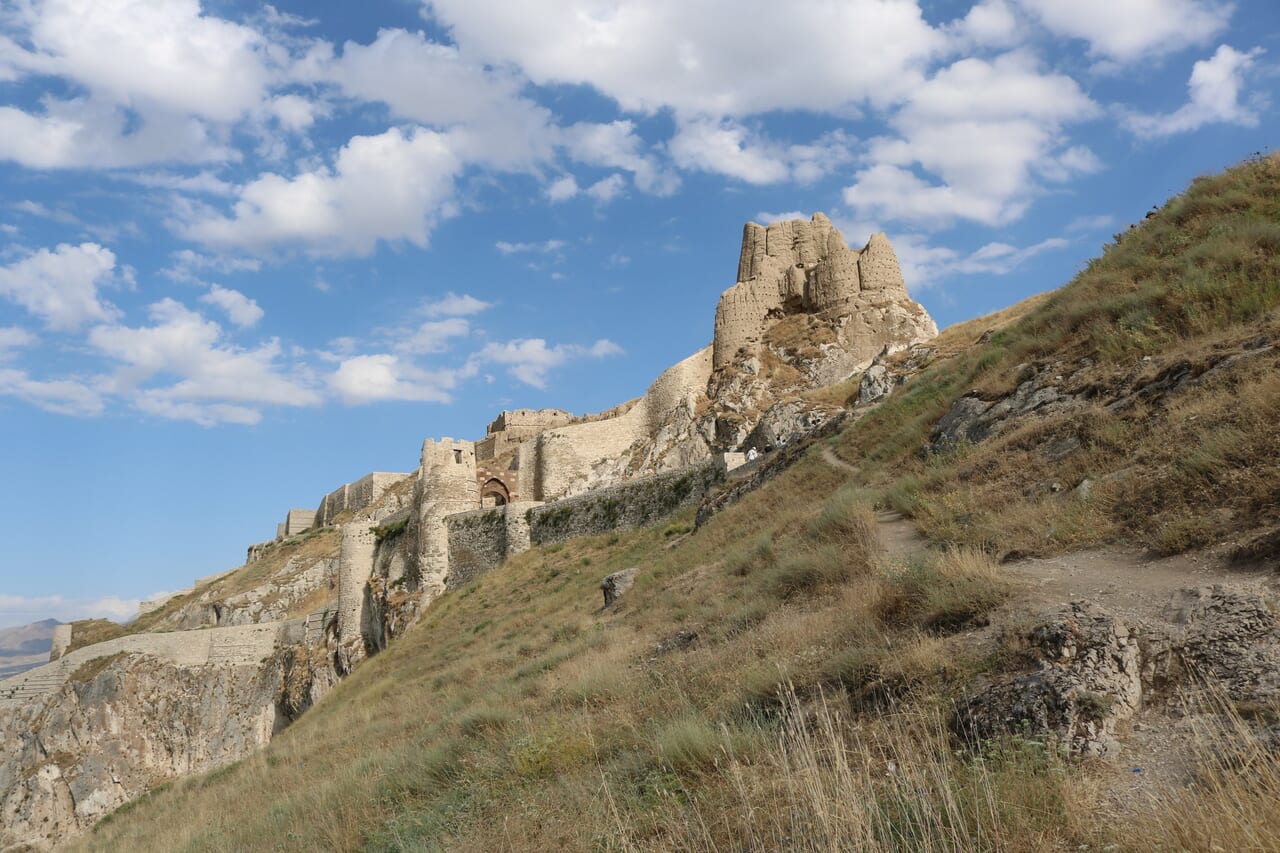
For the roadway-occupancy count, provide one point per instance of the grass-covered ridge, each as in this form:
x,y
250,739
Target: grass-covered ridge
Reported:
x,y
775,679
1190,294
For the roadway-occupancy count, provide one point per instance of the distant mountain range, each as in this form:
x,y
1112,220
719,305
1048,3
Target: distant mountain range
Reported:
x,y
25,647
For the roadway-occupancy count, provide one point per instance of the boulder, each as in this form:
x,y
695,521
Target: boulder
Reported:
x,y
616,584
875,385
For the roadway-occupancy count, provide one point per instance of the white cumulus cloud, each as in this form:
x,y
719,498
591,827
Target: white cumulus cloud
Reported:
x,y
988,130
61,285
14,337
717,57
384,377
391,187
455,305
240,309
65,396
179,366
530,360
1124,31
545,247
1214,90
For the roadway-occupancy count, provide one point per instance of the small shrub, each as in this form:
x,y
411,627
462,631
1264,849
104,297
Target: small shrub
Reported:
x,y
756,554
483,720
383,532
943,593
424,771
547,754
1183,534
691,745
805,571
566,632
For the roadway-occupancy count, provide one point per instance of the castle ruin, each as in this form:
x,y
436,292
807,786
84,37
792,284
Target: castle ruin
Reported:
x,y
540,476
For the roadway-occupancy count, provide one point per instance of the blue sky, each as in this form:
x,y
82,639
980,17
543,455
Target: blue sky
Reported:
x,y
249,253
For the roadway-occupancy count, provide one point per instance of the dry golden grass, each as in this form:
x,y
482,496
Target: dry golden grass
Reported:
x,y
1232,804
772,681
499,721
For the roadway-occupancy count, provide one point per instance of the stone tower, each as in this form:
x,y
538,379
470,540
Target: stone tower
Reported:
x,y
446,485
805,267
355,565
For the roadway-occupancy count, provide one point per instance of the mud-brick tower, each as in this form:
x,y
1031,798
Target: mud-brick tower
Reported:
x,y
446,485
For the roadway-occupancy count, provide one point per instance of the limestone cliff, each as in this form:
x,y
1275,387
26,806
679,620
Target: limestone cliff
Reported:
x,y
117,728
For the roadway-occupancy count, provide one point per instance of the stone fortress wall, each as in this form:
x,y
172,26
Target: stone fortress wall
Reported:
x,y
512,427
482,540
363,493
240,645
628,505
569,460
572,459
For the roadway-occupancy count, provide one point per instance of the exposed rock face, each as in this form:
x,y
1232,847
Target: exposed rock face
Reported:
x,y
274,600
807,311
1089,680
972,419
107,736
1094,671
1221,634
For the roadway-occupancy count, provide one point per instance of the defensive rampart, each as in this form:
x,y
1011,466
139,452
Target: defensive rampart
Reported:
x,y
633,503
234,646
353,496
482,540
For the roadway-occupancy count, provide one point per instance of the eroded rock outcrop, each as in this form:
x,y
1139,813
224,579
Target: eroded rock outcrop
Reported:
x,y
1089,680
1091,671
806,312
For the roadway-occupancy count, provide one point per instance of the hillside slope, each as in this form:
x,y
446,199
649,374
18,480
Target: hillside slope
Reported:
x,y
800,673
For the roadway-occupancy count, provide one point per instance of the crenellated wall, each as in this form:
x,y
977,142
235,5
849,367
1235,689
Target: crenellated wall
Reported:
x,y
515,426
363,493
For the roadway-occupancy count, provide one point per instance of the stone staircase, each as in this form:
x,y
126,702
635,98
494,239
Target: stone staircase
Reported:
x,y
239,645
33,683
